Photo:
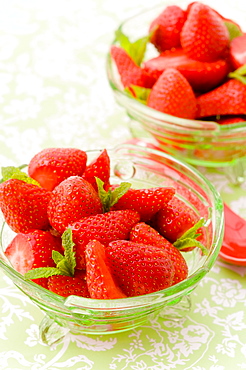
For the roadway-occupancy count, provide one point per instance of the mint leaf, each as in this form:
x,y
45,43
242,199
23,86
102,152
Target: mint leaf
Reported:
x,y
69,254
188,239
57,257
233,29
136,50
109,198
139,93
42,272
12,172
239,74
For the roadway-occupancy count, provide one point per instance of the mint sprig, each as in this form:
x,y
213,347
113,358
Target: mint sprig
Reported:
x,y
65,264
11,172
189,238
111,197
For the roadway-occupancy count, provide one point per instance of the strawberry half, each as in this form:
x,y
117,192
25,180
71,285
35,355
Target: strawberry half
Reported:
x,y
165,29
139,268
24,205
71,200
172,94
100,168
32,250
104,227
204,36
53,165
144,234
101,284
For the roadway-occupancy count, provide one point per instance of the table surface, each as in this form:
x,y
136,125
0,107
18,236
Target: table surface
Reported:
x,y
54,92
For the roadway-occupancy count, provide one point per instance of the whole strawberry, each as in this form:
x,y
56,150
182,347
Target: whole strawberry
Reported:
x,y
100,168
139,268
101,284
172,94
71,200
69,285
104,228
33,249
53,165
204,36
166,28
24,205
146,202
144,234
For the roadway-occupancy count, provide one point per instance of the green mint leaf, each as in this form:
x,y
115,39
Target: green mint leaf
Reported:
x,y
239,74
109,198
139,93
189,242
191,233
57,257
12,172
70,261
118,192
42,272
233,29
136,50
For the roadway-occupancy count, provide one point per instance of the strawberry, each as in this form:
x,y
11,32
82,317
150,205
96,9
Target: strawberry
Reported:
x,y
53,165
71,200
204,36
99,167
31,250
69,285
228,98
202,76
139,268
172,94
238,51
165,29
104,227
24,205
145,234
101,284
145,201
173,220
228,120
130,73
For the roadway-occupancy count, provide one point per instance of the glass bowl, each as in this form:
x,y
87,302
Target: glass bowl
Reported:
x,y
200,143
143,167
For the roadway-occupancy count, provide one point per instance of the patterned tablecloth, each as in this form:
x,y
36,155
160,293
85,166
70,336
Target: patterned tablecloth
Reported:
x,y
54,92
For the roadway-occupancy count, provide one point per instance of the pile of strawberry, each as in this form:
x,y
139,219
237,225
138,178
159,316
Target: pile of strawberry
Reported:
x,y
78,234
200,68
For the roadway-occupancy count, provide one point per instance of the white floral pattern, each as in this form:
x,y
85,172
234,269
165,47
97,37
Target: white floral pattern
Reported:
x,y
54,92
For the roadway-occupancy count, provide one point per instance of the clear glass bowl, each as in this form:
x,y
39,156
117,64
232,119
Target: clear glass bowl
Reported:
x,y
198,142
143,167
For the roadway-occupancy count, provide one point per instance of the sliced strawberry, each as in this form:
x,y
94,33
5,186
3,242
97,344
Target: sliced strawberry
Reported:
x,y
172,94
165,29
69,285
146,202
204,36
130,73
104,227
202,76
53,165
24,205
99,167
33,250
238,51
228,98
139,268
101,284
71,200
144,234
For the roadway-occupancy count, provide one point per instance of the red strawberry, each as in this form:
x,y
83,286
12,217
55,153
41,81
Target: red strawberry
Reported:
x,y
139,268
172,94
144,234
166,28
53,165
228,120
32,250
104,227
202,76
204,36
101,284
229,98
145,201
24,205
69,285
238,51
174,219
99,167
129,71
71,200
